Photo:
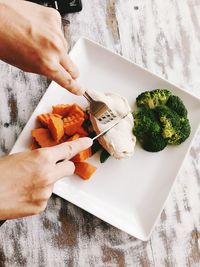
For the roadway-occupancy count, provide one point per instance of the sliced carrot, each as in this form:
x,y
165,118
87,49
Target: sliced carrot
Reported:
x,y
83,155
62,109
34,145
82,132
84,169
73,117
72,124
43,137
64,139
74,137
76,109
44,118
56,128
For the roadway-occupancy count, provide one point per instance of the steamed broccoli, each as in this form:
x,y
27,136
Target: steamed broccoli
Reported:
x,y
147,130
160,120
145,121
175,129
176,104
182,133
154,142
170,121
152,99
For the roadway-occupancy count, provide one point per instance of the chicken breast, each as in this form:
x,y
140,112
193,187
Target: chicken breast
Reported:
x,y
119,141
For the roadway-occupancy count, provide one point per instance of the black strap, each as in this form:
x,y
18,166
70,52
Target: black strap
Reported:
x,y
2,222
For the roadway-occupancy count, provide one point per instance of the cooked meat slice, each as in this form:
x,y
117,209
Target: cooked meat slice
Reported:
x,y
119,141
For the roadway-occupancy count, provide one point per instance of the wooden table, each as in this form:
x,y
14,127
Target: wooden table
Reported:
x,y
164,37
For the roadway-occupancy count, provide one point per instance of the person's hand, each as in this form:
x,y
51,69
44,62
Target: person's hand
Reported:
x,y
31,39
27,178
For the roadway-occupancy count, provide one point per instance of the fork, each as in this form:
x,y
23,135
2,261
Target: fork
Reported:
x,y
100,110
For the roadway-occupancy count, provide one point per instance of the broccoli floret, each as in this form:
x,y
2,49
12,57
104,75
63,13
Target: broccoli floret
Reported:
x,y
145,121
176,104
154,143
170,121
175,129
152,99
182,133
147,130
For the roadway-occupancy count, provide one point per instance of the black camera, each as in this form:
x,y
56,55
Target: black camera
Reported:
x,y
63,6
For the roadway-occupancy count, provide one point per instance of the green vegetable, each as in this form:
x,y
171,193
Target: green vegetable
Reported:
x,y
148,131
176,104
154,142
96,147
145,121
175,129
104,156
160,120
170,121
152,99
182,133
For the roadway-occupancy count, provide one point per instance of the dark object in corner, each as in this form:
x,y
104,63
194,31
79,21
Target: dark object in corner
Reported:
x,y
63,6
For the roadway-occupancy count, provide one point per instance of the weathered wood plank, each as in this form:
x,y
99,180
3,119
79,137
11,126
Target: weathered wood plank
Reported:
x,y
163,36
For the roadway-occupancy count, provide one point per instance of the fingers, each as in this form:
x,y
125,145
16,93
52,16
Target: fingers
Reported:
x,y
69,66
68,150
63,78
63,169
67,63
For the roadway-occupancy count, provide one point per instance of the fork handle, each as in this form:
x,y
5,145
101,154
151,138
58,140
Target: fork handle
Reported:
x,y
88,97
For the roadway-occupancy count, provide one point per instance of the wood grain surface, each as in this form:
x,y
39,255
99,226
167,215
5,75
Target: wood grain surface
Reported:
x,y
164,37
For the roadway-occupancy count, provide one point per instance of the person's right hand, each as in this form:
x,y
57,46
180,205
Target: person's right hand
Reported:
x,y
27,178
32,40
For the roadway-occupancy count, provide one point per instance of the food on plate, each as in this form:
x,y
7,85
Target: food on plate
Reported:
x,y
56,128
43,137
148,130
104,156
160,120
83,155
175,128
61,109
66,122
119,142
152,99
44,118
84,169
72,123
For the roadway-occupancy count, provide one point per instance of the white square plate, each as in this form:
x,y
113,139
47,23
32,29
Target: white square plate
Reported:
x,y
129,194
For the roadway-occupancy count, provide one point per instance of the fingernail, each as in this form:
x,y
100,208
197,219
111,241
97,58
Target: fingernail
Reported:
x,y
74,71
78,89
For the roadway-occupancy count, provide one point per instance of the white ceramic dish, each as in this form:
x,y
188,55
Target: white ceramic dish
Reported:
x,y
129,194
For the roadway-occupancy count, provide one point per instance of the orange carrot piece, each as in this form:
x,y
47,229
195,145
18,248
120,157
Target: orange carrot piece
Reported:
x,y
56,128
84,169
76,109
74,137
64,139
43,137
82,132
34,145
71,125
83,155
62,109
73,117
44,118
